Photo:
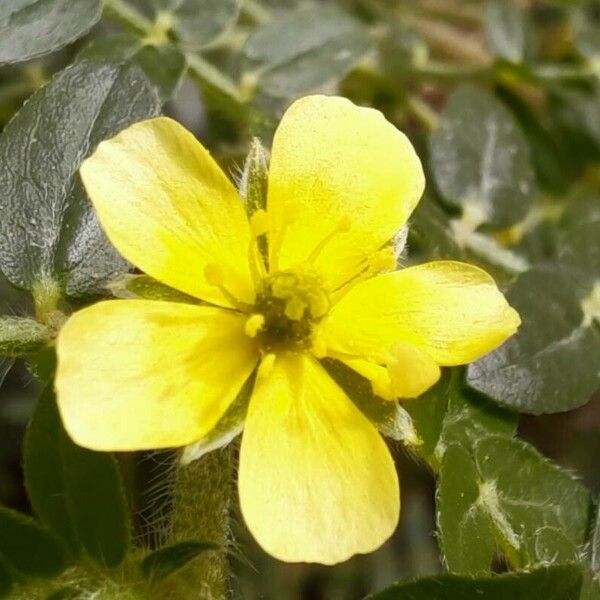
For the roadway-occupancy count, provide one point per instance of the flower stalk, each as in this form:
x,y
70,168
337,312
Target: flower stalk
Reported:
x,y
202,500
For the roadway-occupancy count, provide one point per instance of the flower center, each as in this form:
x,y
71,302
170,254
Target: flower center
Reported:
x,y
288,306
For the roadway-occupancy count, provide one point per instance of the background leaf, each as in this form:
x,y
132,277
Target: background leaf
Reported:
x,y
303,49
27,547
552,364
48,229
31,28
464,527
167,560
451,413
550,583
197,23
164,64
76,492
522,501
505,29
480,158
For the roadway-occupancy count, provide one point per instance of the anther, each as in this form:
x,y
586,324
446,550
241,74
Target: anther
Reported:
x,y
344,226
213,273
254,323
259,223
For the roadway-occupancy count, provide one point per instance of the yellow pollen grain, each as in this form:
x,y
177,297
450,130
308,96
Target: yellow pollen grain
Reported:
x,y
259,223
254,324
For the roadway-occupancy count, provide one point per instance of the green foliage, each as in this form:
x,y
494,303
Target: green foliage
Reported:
x,y
506,29
480,159
170,559
164,64
30,28
47,231
77,493
538,370
302,50
550,583
197,23
451,413
464,525
27,547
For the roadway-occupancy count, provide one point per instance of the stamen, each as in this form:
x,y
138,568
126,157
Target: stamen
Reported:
x,y
254,324
383,261
319,347
342,227
213,273
259,223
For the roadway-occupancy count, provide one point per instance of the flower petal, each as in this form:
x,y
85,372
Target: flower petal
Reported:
x,y
170,210
342,179
410,372
452,311
140,374
317,482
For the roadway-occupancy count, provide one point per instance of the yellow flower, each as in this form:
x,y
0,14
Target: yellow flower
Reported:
x,y
316,480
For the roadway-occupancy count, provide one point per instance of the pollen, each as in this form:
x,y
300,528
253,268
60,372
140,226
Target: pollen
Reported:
x,y
254,324
289,305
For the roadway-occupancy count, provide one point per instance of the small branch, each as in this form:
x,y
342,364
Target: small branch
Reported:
x,y
127,16
423,112
209,75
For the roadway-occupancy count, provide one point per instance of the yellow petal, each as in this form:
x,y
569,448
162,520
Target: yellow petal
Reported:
x,y
452,311
317,482
342,182
140,374
410,371
170,210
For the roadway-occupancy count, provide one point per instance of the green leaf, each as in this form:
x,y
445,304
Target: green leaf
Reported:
x,y
197,23
551,545
6,578
547,156
168,560
480,159
451,413
586,29
303,49
48,229
76,492
31,28
27,547
464,526
97,502
578,235
44,470
391,418
552,364
431,232
576,114
164,65
595,545
561,582
505,29
535,496
65,593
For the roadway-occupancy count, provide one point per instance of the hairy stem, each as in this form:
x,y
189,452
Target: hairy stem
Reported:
x,y
201,505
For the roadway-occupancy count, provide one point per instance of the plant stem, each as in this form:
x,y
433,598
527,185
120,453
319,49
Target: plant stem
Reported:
x,y
128,16
201,506
211,76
